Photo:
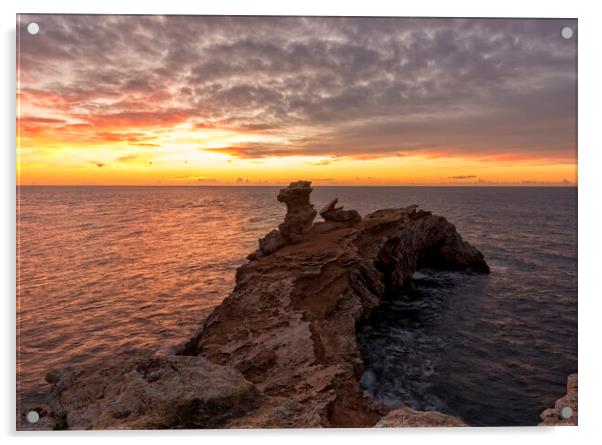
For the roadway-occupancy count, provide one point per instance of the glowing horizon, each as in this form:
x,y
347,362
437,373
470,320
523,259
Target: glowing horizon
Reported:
x,y
173,100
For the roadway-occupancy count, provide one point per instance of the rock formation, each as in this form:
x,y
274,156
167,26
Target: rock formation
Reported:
x,y
143,391
300,213
288,328
408,417
554,416
269,243
289,324
332,213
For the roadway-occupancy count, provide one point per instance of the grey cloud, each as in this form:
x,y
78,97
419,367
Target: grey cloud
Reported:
x,y
353,86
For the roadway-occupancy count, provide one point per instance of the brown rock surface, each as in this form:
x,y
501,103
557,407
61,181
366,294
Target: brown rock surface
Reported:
x,y
407,417
300,213
271,242
289,324
332,213
142,391
281,350
553,416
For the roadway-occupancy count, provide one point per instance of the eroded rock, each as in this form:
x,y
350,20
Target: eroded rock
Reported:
x,y
405,417
281,349
553,416
300,213
289,324
144,391
271,242
332,213
298,220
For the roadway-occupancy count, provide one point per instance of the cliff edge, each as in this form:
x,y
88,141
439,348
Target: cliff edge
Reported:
x,y
289,324
281,349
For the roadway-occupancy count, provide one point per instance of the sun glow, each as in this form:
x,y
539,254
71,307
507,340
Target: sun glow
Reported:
x,y
132,114
57,150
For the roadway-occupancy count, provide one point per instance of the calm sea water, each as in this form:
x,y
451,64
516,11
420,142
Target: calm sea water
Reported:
x,y
105,269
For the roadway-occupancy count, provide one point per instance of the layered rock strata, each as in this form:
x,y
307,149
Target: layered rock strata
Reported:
x,y
289,324
140,390
281,349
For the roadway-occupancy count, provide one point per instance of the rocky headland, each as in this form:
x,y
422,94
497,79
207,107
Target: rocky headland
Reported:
x,y
280,351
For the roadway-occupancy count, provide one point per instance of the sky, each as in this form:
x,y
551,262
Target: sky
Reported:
x,y
210,100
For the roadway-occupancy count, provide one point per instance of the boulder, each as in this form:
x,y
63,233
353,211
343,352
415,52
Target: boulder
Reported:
x,y
332,213
271,242
144,391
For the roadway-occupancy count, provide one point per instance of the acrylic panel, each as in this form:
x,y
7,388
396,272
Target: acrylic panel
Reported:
x,y
295,222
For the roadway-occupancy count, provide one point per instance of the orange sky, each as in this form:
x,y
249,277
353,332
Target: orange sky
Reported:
x,y
98,104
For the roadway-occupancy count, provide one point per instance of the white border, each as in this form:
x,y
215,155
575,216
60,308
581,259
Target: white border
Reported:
x,y
590,143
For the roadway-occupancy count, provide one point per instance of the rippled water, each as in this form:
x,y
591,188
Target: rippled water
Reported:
x,y
104,269
492,350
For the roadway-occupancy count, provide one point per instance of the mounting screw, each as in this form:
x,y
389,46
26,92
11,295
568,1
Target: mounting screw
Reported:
x,y
566,412
32,416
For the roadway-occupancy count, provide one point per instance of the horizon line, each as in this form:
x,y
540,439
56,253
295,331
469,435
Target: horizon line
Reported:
x,y
571,185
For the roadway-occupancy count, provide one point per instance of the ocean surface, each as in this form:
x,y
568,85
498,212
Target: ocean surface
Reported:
x,y
105,269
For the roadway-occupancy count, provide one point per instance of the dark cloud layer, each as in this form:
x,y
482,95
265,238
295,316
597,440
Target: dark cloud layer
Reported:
x,y
360,87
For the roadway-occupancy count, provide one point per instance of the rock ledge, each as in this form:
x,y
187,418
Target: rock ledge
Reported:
x,y
289,324
281,349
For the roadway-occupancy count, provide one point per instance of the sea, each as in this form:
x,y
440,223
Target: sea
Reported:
x,y
102,270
